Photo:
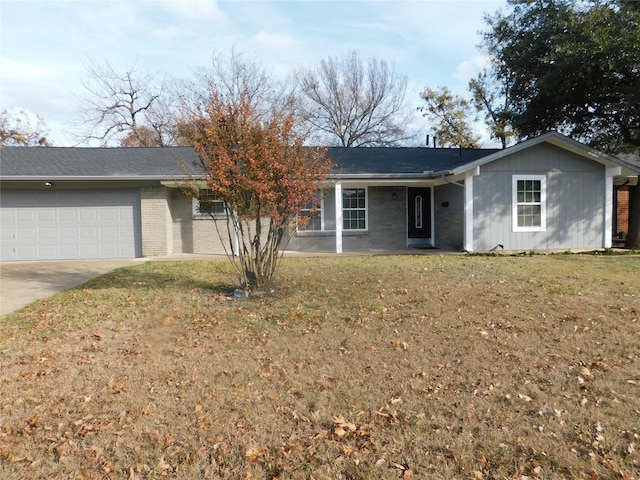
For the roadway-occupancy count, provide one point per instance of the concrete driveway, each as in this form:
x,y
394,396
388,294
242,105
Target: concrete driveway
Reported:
x,y
22,283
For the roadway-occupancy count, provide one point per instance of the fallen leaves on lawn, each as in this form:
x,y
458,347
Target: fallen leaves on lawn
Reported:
x,y
342,427
254,454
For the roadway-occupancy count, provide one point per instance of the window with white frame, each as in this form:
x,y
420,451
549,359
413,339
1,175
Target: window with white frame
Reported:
x,y
354,208
314,224
206,204
529,203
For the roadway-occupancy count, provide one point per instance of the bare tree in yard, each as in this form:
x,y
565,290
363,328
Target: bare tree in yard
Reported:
x,y
239,79
18,128
128,109
450,114
354,105
255,162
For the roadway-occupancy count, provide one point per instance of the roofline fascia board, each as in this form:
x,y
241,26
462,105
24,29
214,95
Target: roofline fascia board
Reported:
x,y
426,175
553,138
382,176
84,178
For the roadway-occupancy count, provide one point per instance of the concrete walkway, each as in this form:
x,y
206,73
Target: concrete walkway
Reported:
x,y
22,283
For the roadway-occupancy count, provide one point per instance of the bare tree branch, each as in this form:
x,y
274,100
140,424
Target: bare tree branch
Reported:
x,y
353,105
129,108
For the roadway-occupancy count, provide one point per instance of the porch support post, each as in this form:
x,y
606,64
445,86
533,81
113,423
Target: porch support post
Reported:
x,y
607,241
432,215
468,208
338,192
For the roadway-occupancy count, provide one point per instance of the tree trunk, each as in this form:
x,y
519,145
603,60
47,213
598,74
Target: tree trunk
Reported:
x,y
633,235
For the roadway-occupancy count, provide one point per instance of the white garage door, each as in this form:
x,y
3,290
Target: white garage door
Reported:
x,y
45,225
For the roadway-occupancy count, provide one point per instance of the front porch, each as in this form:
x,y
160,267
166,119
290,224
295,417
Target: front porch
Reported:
x,y
385,217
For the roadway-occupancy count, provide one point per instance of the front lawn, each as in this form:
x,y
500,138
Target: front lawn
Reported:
x,y
357,367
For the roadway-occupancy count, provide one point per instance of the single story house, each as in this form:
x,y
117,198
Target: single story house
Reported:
x,y
547,193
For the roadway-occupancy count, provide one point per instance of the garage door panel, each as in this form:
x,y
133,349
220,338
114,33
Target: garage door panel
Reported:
x,y
109,250
24,215
26,234
89,251
7,216
7,235
109,215
48,252
90,233
109,233
48,233
68,251
124,214
68,234
25,252
67,214
46,214
70,224
7,252
88,214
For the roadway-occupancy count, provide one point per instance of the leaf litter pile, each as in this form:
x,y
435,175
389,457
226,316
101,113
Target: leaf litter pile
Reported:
x,y
364,367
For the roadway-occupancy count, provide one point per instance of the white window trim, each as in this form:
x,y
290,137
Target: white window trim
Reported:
x,y
319,210
195,210
543,203
366,209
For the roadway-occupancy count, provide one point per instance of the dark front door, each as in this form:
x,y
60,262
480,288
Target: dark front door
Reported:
x,y
419,212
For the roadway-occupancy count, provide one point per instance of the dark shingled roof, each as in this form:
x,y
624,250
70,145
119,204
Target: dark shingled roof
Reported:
x,y
384,160
113,163
168,162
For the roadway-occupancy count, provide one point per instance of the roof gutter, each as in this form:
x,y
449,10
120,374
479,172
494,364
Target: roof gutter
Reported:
x,y
444,178
90,178
376,176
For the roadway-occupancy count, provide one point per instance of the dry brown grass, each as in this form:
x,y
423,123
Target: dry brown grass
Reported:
x,y
357,368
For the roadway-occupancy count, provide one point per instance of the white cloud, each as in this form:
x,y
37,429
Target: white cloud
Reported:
x,y
468,69
201,10
432,42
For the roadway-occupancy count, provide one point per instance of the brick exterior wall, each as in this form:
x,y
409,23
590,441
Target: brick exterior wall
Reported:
x,y
198,234
387,227
155,215
622,211
193,234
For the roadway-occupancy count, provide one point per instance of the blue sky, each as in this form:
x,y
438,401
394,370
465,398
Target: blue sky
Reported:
x,y
45,44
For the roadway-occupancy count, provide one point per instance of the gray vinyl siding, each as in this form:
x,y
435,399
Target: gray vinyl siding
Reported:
x,y
449,217
574,201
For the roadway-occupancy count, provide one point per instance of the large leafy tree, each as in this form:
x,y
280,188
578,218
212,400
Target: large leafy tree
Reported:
x,y
451,116
255,161
351,104
492,97
574,66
